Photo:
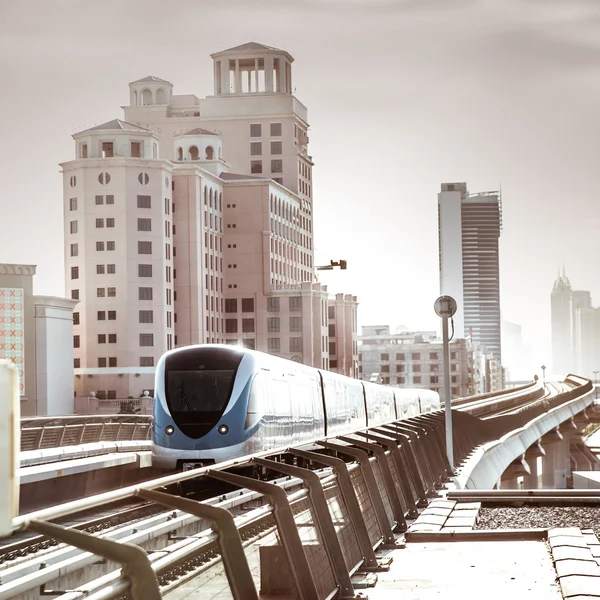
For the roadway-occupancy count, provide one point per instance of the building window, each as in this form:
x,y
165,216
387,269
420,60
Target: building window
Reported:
x,y
101,315
104,178
416,368
277,166
146,361
273,324
75,318
74,250
401,379
110,199
112,338
74,294
143,178
295,344
433,356
99,269
99,246
331,330
74,272
415,356
454,367
73,180
76,341
144,202
73,226
136,149
453,355
102,338
399,368
99,223
100,292
107,149
275,129
110,222
385,356
231,305
295,303
76,363
255,148
332,351
112,315
111,269
295,323
99,200
146,316
72,203
255,130
249,343
277,148
144,247
247,325
247,305
331,312
146,339
145,293
231,325
101,364
274,344
144,270
110,246
417,379
400,356
111,292
272,304
384,368
256,166
144,224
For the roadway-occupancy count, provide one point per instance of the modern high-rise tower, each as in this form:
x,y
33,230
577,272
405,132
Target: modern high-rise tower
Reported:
x,y
469,230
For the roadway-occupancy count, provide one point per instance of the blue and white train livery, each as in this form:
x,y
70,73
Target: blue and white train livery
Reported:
x,y
216,402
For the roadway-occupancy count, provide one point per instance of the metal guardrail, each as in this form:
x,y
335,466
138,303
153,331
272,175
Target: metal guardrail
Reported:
x,y
380,477
54,432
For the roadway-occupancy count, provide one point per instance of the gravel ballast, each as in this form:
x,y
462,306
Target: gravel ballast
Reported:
x,y
528,517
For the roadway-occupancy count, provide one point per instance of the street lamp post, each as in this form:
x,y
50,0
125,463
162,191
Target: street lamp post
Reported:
x,y
544,376
445,307
596,383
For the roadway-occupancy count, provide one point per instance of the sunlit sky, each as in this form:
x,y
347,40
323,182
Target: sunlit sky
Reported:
x,y
402,95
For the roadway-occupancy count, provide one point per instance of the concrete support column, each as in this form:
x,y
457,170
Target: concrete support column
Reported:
x,y
225,82
548,468
238,77
268,73
562,463
531,482
510,484
256,75
283,69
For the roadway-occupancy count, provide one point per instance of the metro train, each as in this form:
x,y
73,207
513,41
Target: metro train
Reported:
x,y
217,402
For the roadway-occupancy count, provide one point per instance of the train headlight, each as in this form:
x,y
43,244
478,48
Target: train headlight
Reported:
x,y
169,430
223,429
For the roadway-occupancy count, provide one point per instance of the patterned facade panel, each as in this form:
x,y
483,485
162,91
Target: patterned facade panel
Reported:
x,y
12,329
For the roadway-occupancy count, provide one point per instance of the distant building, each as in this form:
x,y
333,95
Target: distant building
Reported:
x,y
564,359
469,230
36,333
588,324
414,359
191,221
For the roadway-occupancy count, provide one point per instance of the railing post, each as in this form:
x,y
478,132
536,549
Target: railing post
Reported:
x,y
388,480
323,518
232,552
135,561
10,444
377,502
290,538
343,476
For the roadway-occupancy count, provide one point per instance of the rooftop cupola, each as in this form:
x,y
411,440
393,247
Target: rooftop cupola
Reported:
x,y
252,69
150,91
200,146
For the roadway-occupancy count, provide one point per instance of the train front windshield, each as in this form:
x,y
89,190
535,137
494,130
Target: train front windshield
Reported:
x,y
198,385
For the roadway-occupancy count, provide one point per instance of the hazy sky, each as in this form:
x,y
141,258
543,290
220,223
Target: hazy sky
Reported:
x,y
402,95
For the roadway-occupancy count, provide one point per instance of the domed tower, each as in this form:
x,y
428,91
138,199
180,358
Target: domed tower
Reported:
x,y
252,68
200,146
150,91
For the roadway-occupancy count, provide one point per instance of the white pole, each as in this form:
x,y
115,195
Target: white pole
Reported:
x,y
10,445
447,393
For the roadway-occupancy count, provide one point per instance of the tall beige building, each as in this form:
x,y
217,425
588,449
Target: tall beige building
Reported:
x,y
190,221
